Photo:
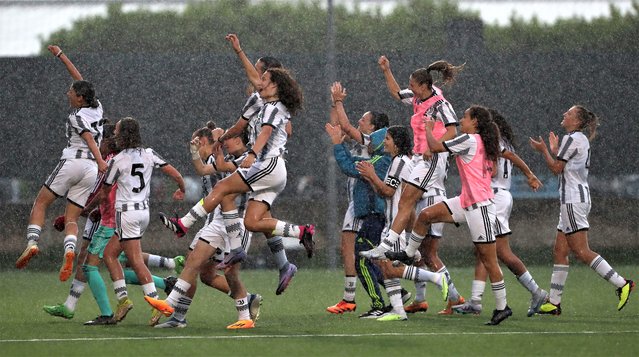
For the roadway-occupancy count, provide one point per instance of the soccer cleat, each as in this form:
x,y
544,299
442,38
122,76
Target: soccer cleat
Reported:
x,y
255,303
169,283
174,224
400,256
416,306
406,295
179,264
467,308
449,307
375,253
233,257
538,298
499,316
393,317
549,308
29,252
307,239
342,307
124,306
155,317
444,288
375,313
241,324
101,320
172,323
161,305
59,310
67,266
624,292
286,275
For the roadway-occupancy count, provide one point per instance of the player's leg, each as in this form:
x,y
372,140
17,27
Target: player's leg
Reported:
x,y
36,221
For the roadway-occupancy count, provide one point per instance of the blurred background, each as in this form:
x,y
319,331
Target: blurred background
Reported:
x,y
167,64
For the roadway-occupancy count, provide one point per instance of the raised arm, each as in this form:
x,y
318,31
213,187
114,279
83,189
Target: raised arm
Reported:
x,y
555,166
517,161
251,73
391,83
338,94
57,51
200,167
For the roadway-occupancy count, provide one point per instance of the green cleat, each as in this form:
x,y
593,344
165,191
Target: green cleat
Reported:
x,y
179,264
444,287
549,308
393,317
624,292
59,310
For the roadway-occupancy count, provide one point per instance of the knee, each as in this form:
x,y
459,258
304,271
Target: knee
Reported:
x,y
250,223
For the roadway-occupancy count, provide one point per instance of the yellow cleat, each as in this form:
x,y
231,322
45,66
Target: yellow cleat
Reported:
x,y
155,317
242,324
124,306
624,292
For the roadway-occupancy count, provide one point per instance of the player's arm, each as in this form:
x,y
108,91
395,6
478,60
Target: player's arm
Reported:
x,y
434,145
88,138
555,166
236,130
384,189
57,51
173,173
519,163
391,83
251,72
200,167
338,94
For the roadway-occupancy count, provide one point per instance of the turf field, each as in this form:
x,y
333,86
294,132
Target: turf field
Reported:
x,y
296,323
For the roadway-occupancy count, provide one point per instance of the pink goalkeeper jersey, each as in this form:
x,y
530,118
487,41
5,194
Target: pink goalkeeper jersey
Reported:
x,y
475,171
107,206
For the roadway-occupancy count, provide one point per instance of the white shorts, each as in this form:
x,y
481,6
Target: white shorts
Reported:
x,y
266,179
351,224
573,217
436,229
216,236
89,229
503,207
74,178
131,224
480,220
430,176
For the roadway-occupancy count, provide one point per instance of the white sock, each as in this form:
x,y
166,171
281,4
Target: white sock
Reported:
x,y
499,290
287,230
156,261
420,291
528,282
350,285
119,286
182,307
242,307
389,241
477,291
414,241
33,233
417,274
77,287
69,243
150,290
277,248
557,282
601,266
197,212
394,292
179,290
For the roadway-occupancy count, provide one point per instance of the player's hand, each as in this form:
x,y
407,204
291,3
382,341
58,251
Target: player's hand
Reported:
x,y
337,92
335,133
58,223
248,161
553,141
366,169
55,50
429,123
235,42
534,183
538,144
178,195
384,63
427,155
102,165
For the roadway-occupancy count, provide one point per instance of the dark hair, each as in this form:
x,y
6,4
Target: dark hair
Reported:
x,y
245,136
505,130
589,121
206,131
448,71
288,91
402,138
108,137
270,62
129,134
86,91
379,120
488,131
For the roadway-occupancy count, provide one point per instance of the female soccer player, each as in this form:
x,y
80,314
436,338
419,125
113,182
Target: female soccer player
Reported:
x,y
426,182
76,173
132,169
570,159
476,151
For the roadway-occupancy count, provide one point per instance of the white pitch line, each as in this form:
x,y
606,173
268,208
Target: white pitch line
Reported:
x,y
390,334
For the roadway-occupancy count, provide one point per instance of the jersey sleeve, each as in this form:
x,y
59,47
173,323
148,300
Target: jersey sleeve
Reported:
x,y
446,114
567,149
462,146
158,161
394,173
113,171
79,124
272,116
406,96
252,106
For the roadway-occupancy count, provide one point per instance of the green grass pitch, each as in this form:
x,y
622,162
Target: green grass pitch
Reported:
x,y
296,323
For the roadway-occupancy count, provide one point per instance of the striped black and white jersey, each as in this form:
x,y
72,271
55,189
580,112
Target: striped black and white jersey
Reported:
x,y
398,171
503,179
441,110
209,181
132,170
574,150
241,200
82,120
252,106
277,116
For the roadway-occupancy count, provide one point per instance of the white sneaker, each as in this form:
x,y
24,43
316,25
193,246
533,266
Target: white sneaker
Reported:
x,y
255,302
539,297
375,253
172,323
